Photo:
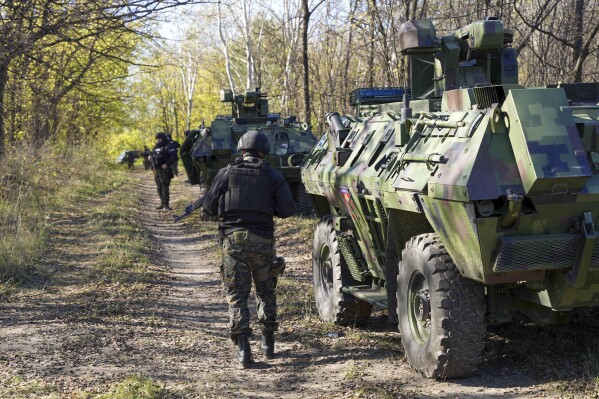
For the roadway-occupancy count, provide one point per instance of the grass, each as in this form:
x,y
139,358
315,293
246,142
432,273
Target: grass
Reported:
x,y
122,244
135,387
37,182
353,371
19,387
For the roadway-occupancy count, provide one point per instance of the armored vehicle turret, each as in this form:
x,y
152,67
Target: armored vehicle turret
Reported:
x,y
469,199
210,148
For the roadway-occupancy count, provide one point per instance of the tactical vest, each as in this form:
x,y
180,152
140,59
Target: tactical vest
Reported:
x,y
159,156
250,189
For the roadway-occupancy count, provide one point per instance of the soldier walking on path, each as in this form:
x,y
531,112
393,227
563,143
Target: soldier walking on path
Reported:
x,y
246,195
146,158
163,158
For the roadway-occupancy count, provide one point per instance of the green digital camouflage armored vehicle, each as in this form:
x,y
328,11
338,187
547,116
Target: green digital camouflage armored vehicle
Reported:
x,y
210,148
477,198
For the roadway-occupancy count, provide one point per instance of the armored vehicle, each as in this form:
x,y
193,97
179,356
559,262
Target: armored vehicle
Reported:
x,y
476,199
210,148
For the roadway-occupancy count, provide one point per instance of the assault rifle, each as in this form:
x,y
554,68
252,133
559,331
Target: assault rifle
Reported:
x,y
189,209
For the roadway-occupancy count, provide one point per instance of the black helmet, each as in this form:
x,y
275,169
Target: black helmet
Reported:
x,y
254,141
161,135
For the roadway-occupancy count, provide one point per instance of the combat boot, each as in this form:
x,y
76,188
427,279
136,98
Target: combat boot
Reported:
x,y
267,344
159,207
166,207
245,351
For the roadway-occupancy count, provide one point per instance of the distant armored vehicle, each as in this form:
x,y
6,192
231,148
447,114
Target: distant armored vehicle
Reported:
x,y
477,198
210,148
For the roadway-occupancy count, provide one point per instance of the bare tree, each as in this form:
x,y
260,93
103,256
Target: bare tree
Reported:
x,y
306,14
225,48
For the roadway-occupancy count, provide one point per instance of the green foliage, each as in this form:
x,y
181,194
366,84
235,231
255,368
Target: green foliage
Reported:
x,y
75,89
128,139
135,387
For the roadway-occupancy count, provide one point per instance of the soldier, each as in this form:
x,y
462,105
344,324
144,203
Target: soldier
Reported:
x,y
163,158
246,195
176,144
130,158
146,157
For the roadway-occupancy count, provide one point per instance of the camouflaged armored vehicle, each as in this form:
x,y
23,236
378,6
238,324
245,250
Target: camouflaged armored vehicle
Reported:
x,y
477,198
210,148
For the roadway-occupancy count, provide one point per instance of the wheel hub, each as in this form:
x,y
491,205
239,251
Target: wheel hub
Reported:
x,y
326,267
423,312
420,308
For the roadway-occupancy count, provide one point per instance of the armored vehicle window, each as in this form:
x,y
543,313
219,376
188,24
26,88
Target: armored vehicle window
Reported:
x,y
281,143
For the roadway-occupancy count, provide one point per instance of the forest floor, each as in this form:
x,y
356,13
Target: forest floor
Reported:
x,y
128,304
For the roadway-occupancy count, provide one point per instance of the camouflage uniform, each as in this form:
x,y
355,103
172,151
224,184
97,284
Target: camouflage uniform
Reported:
x,y
248,257
247,240
246,195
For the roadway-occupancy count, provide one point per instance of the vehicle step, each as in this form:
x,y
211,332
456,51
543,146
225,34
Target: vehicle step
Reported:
x,y
375,296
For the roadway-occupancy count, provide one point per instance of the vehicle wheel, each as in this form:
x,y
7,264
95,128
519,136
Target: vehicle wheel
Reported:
x,y
330,275
441,314
303,203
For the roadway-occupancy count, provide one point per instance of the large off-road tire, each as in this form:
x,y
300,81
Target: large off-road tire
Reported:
x,y
441,314
302,202
330,275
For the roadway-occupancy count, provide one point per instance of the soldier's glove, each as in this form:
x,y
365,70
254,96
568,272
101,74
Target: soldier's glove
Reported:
x,y
278,266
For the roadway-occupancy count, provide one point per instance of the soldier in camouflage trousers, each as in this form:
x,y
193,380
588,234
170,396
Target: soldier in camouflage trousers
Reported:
x,y
246,195
248,257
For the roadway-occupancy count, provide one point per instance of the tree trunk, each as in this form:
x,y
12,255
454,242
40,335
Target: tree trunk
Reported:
x,y
578,33
250,83
384,42
305,21
3,83
352,20
371,49
225,51
584,53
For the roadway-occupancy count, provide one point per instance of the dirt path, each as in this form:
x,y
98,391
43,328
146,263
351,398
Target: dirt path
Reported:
x,y
68,334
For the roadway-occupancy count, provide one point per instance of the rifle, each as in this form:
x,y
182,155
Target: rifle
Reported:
x,y
189,209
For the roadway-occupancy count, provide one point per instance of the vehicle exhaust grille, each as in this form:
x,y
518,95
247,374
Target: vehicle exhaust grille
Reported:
x,y
487,96
547,252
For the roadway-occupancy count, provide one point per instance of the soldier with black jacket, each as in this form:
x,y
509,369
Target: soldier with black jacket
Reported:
x,y
146,158
177,145
163,158
246,195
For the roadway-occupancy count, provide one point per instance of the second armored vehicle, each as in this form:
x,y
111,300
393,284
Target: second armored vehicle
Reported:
x,y
478,198
210,148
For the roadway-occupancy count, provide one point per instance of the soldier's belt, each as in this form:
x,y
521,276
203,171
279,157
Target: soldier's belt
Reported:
x,y
247,236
